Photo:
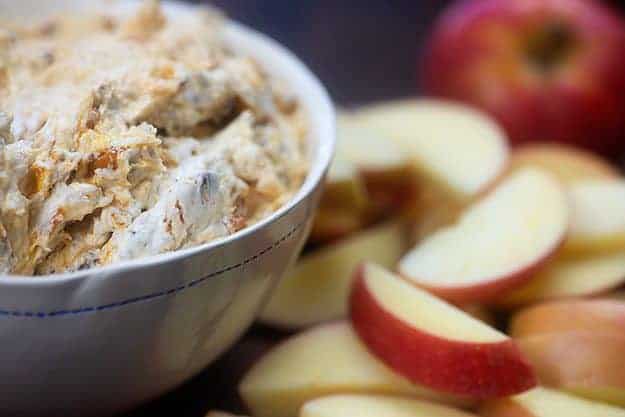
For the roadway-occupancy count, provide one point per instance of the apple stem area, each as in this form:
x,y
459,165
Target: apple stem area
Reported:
x,y
549,45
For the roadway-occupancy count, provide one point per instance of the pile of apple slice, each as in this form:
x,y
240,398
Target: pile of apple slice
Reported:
x,y
451,276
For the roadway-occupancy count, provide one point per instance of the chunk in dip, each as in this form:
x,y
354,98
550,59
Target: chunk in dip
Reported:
x,y
125,137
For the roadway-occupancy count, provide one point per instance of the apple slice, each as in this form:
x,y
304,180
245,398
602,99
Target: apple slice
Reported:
x,y
385,168
481,313
600,316
497,244
317,288
618,295
543,402
454,147
571,277
431,342
369,173
343,205
332,224
589,364
376,406
372,153
344,186
570,165
434,209
597,216
325,360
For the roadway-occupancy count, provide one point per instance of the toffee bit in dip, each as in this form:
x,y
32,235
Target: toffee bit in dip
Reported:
x,y
125,137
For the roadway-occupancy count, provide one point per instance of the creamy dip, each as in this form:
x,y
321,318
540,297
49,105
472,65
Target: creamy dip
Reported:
x,y
122,138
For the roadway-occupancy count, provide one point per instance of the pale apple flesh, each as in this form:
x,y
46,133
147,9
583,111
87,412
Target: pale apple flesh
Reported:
x,y
568,164
544,402
497,244
390,192
431,342
600,315
452,146
384,165
369,177
583,362
434,209
344,203
597,216
325,360
333,224
372,153
566,277
344,186
317,289
376,406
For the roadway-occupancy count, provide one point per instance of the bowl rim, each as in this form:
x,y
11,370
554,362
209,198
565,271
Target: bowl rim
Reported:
x,y
316,101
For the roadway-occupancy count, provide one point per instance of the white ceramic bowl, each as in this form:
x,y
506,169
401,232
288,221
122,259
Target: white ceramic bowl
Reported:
x,y
101,341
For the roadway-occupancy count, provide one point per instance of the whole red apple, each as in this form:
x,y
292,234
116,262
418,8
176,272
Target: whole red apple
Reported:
x,y
548,70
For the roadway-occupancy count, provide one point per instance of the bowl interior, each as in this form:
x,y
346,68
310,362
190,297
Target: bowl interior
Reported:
x,y
276,60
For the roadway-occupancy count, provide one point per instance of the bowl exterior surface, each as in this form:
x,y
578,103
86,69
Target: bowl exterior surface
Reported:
x,y
112,342
101,341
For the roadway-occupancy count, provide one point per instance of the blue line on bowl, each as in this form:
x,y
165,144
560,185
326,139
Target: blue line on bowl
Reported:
x,y
152,296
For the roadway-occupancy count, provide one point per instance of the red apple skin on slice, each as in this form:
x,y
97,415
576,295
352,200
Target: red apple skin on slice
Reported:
x,y
317,288
600,315
324,360
569,278
479,370
490,290
568,164
588,364
513,232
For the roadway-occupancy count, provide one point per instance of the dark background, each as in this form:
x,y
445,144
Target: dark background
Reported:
x,y
362,50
